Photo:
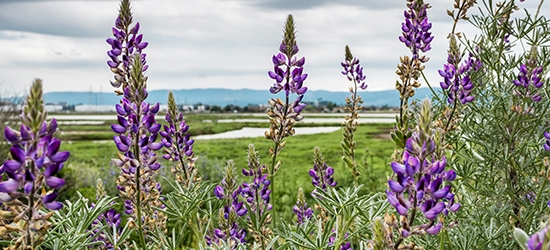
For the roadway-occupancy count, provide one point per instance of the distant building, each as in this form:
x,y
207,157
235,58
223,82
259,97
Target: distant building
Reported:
x,y
95,108
201,108
53,107
187,108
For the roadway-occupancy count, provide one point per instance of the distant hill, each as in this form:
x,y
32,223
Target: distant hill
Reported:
x,y
224,97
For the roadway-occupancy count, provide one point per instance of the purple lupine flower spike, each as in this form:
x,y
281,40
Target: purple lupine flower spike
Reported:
x,y
547,141
257,196
28,178
110,218
421,183
126,46
456,78
302,211
321,173
416,30
228,228
136,128
353,70
178,145
529,80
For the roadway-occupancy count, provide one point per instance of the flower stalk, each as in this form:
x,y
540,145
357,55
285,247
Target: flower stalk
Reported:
x,y
28,181
354,73
136,130
289,78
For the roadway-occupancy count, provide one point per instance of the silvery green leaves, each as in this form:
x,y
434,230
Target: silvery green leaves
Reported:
x,y
73,222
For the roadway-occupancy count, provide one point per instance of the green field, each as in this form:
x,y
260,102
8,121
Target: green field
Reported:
x,y
91,153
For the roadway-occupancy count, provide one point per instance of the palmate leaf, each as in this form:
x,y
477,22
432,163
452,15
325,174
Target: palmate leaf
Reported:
x,y
73,224
172,241
192,206
183,202
311,234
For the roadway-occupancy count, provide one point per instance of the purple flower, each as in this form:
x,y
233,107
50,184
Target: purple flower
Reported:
x,y
547,142
529,76
219,192
456,78
421,183
321,173
124,46
110,219
288,71
136,128
302,211
353,70
229,192
35,158
416,30
538,239
259,187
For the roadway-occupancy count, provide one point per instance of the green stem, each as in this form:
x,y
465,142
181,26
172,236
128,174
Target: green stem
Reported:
x,y
403,100
137,155
279,139
258,216
181,160
30,209
452,113
355,114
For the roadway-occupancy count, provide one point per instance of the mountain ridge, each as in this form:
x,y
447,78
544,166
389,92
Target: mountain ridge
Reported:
x,y
222,97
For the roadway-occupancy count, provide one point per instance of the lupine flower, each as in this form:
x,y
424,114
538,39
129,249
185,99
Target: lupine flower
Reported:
x,y
456,78
344,246
321,173
302,211
228,230
29,179
288,74
288,70
125,45
177,144
257,197
259,187
416,29
547,142
354,72
529,75
417,37
420,181
537,240
136,129
110,218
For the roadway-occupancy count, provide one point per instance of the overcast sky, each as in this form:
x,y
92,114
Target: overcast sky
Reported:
x,y
210,43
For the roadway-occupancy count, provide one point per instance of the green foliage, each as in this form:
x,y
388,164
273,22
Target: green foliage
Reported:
x,y
73,225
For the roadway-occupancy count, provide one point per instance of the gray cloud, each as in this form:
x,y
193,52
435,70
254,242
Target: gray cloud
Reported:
x,y
310,4
59,18
210,43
